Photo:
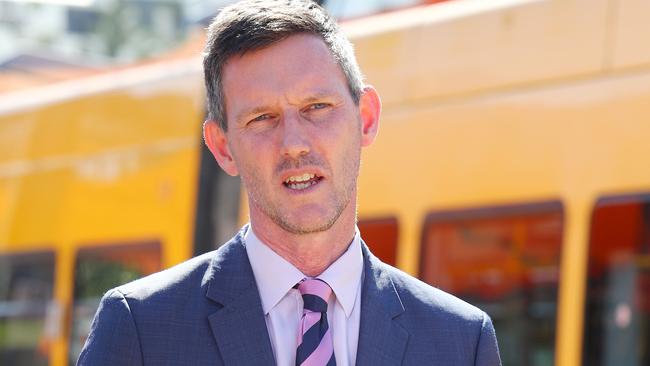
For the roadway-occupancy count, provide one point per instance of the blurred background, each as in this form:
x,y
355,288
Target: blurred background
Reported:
x,y
512,166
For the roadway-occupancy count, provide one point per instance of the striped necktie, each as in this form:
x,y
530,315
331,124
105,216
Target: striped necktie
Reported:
x,y
315,346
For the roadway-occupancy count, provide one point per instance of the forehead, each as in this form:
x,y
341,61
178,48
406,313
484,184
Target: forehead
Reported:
x,y
298,65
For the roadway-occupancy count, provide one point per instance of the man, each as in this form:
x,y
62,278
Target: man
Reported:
x,y
289,113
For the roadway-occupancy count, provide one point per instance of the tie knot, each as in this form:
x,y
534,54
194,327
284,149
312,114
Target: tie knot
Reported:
x,y
315,294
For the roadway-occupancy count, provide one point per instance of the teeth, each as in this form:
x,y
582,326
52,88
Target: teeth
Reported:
x,y
300,178
299,186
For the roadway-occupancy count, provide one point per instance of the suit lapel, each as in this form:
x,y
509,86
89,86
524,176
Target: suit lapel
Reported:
x,y
238,327
382,341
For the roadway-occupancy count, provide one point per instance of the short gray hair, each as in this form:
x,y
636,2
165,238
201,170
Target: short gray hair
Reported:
x,y
255,24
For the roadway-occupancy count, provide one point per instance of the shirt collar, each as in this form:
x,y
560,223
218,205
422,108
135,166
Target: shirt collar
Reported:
x,y
344,275
275,276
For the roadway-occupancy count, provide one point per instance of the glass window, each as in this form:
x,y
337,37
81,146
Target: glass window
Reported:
x,y
505,260
99,269
381,237
82,20
26,288
617,314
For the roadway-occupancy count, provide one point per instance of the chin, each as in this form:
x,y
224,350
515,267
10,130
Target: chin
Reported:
x,y
305,226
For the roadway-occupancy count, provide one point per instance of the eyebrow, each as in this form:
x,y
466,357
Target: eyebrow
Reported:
x,y
318,95
256,110
313,97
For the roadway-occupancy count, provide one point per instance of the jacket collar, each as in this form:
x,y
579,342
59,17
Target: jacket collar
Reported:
x,y
238,327
382,340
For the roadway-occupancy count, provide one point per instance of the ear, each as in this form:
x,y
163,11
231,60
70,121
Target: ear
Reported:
x,y
217,141
370,109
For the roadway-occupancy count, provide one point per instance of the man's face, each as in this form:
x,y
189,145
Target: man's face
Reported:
x,y
294,134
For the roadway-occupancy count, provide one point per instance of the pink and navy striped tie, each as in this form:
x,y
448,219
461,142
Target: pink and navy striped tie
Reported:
x,y
315,346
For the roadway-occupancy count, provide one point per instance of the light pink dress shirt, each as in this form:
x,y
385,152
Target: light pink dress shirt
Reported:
x,y
282,304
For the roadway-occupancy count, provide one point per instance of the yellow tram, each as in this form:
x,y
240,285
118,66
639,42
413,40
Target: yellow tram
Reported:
x,y
511,169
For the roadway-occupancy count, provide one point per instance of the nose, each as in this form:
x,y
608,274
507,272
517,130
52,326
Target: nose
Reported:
x,y
295,141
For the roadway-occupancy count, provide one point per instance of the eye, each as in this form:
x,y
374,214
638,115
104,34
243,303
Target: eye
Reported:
x,y
318,106
261,117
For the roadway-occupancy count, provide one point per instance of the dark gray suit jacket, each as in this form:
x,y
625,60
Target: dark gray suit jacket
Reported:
x,y
207,311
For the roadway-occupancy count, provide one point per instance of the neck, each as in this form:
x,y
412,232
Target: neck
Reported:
x,y
310,253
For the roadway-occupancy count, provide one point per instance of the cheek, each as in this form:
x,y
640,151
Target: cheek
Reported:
x,y
341,129
255,163
347,139
252,150
345,153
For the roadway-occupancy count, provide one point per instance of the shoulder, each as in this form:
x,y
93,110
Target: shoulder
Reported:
x,y
439,322
113,337
136,322
415,294
422,297
179,278
186,279
442,329
117,336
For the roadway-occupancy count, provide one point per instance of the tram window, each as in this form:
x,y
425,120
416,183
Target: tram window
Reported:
x,y
26,288
381,236
504,260
99,269
617,313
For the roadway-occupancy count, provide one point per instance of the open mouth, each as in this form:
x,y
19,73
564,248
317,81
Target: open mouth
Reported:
x,y
301,182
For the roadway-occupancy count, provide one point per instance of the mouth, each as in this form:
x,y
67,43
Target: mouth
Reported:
x,y
302,181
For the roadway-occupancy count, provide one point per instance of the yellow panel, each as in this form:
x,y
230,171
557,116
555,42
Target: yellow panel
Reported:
x,y
630,40
15,135
589,136
136,149
573,141
465,46
571,297
101,168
